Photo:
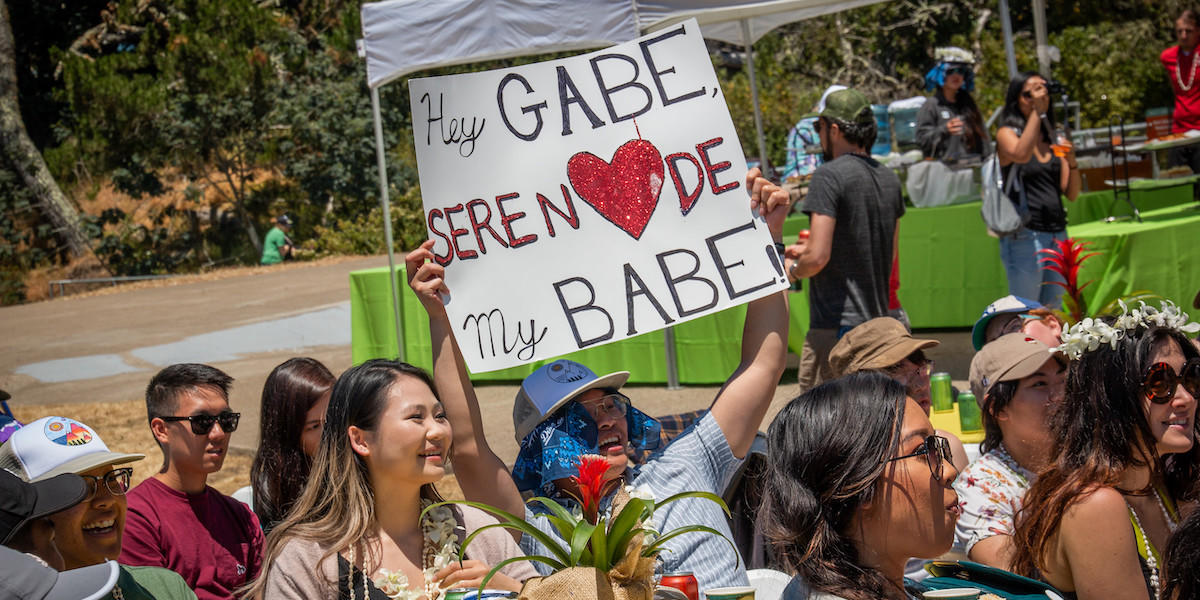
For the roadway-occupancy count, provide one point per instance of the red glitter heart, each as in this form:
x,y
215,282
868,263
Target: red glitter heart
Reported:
x,y
625,191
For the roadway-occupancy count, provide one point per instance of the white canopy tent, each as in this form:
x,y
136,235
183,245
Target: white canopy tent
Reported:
x,y
404,36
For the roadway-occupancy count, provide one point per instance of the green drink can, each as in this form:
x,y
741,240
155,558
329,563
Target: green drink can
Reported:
x,y
456,593
968,413
939,392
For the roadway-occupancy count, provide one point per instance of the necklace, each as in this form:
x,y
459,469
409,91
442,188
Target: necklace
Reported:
x,y
1179,78
1172,524
439,547
1151,563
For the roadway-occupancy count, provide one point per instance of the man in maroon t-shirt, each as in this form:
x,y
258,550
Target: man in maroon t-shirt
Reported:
x,y
175,520
1181,65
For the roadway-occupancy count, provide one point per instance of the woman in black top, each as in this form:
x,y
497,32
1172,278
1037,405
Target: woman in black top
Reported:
x,y
1023,148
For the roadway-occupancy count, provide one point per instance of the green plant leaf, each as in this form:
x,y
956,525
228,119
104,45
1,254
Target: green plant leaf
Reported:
x,y
624,527
694,494
600,549
557,566
553,507
579,541
657,545
562,519
513,522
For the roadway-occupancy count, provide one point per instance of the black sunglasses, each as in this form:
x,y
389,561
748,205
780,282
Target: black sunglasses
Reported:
x,y
115,481
959,70
936,450
202,424
1161,381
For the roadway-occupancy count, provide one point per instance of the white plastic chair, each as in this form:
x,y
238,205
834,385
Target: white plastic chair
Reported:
x,y
768,584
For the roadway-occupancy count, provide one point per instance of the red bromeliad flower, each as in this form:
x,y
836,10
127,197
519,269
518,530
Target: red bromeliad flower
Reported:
x,y
591,482
1065,260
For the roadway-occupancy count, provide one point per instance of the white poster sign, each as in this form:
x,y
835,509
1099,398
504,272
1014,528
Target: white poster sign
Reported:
x,y
586,200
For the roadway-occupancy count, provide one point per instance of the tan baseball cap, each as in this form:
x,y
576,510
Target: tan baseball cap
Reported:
x,y
1007,358
876,344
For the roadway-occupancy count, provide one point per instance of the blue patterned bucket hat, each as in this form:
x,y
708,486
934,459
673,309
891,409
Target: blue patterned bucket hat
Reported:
x,y
554,432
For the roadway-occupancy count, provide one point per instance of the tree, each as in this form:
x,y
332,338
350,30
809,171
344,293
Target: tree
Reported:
x,y
24,157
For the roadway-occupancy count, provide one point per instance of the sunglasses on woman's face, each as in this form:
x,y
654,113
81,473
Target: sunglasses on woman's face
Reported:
x,y
1161,381
936,450
202,424
958,71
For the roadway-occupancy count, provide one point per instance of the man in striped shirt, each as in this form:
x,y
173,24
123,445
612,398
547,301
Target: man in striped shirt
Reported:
x,y
564,411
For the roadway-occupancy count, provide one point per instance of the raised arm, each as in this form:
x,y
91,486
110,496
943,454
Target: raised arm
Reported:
x,y
742,402
1011,148
481,474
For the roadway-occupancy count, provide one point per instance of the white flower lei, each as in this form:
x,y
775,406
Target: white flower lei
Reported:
x,y
1089,334
439,549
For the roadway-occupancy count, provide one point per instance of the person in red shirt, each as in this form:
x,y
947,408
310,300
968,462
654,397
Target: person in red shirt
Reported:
x,y
1181,65
175,520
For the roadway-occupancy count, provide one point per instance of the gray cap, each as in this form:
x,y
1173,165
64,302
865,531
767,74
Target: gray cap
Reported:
x,y
26,577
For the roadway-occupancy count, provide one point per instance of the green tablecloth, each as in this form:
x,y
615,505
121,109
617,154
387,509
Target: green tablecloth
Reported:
x,y
1159,255
1147,195
949,270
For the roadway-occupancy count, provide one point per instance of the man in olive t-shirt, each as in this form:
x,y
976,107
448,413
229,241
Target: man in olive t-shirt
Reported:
x,y
854,206
277,246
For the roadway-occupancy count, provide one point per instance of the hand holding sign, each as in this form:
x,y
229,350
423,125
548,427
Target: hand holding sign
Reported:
x,y
770,200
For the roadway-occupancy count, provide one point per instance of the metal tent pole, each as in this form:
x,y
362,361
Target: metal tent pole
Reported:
x,y
1006,26
758,124
1039,34
387,220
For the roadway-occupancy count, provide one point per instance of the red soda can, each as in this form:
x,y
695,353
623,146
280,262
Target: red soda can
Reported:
x,y
683,581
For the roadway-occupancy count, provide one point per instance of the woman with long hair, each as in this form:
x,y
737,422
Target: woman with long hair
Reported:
x,y
847,506
1036,178
357,531
294,399
1016,381
949,124
1124,458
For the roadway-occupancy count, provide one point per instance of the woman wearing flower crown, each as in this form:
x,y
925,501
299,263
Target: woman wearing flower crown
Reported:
x,y
385,443
1124,460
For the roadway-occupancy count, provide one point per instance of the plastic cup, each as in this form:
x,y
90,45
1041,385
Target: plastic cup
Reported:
x,y
729,593
953,594
969,419
939,392
1061,146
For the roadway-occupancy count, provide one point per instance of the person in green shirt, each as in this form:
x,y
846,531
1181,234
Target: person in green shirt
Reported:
x,y
277,245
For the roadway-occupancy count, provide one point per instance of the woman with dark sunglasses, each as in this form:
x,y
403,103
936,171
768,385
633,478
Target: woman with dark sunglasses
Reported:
x,y
857,482
949,124
1124,459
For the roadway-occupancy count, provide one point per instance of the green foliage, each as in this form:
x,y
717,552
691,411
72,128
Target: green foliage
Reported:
x,y
128,247
25,244
1110,74
363,234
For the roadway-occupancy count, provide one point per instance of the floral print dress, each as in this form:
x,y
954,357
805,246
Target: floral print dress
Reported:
x,y
990,492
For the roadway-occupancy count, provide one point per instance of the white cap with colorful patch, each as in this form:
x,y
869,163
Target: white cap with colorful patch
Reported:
x,y
52,446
